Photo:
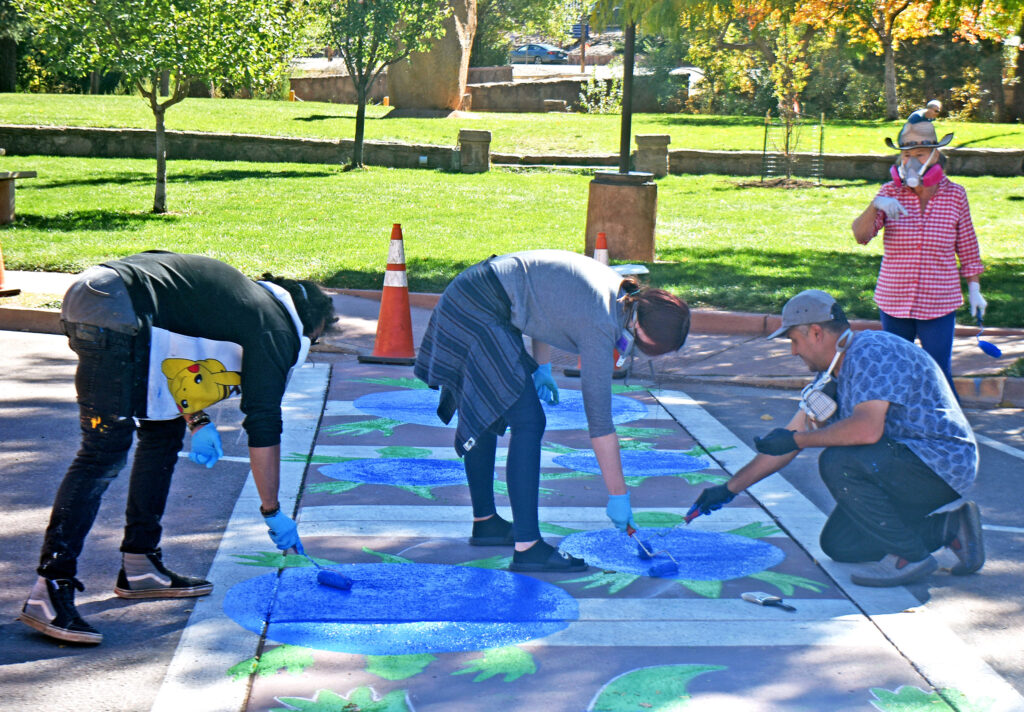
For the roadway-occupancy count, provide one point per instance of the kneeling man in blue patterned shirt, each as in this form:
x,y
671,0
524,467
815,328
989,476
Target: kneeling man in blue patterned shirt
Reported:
x,y
899,453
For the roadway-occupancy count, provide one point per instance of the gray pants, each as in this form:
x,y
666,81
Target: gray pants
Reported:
x,y
99,297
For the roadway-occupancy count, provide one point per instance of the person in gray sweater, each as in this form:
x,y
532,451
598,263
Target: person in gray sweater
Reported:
x,y
473,352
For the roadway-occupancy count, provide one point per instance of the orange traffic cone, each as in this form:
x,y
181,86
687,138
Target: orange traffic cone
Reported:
x,y
4,292
601,248
601,255
394,323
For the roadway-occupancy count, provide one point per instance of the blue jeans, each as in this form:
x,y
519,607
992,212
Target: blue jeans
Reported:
x,y
526,421
935,335
110,389
884,494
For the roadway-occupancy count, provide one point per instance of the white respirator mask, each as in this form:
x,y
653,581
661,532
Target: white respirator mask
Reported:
x,y
817,399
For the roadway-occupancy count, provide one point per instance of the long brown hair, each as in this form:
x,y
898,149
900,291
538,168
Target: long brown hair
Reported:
x,y
663,319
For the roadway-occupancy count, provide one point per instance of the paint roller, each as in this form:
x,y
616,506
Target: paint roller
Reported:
x,y
987,346
326,577
658,569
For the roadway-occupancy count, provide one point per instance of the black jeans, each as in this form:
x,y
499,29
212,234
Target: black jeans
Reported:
x,y
526,422
110,390
884,494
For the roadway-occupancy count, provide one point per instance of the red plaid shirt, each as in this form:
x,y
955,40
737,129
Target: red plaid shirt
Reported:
x,y
919,277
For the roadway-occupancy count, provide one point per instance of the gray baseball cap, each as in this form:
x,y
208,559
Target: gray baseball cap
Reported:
x,y
811,306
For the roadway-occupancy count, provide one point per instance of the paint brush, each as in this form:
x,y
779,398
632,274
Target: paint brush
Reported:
x,y
326,577
766,599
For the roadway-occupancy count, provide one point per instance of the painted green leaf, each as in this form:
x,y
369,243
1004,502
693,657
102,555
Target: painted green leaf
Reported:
x,y
501,487
621,388
787,583
384,426
413,383
398,667
555,447
634,481
557,529
662,688
403,451
708,589
361,699
387,558
697,450
657,519
565,475
418,490
639,445
756,530
315,459
510,661
274,560
339,487
491,562
293,658
649,433
696,478
615,580
913,699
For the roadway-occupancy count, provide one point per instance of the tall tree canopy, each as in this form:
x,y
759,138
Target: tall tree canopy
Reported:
x,y
245,42
373,34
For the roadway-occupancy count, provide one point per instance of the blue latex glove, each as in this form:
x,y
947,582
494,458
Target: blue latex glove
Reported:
x,y
710,499
544,382
778,442
619,511
283,531
206,448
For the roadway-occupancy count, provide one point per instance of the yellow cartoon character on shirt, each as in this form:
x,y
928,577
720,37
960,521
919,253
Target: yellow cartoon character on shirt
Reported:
x,y
196,384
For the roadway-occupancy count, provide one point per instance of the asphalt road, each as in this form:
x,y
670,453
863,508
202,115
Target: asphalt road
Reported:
x,y
986,610
38,426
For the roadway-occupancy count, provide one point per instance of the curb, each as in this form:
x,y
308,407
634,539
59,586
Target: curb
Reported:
x,y
974,391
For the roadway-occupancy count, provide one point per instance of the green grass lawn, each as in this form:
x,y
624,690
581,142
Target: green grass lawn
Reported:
x,y
719,244
511,133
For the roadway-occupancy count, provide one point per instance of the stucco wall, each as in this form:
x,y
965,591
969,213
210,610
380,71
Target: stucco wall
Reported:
x,y
337,89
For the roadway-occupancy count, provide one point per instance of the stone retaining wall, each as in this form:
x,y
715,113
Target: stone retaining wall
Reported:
x,y
140,143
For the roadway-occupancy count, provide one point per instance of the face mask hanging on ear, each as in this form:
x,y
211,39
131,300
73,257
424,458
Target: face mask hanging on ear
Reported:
x,y
627,340
817,399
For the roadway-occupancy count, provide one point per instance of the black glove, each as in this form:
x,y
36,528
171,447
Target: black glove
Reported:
x,y
710,499
778,442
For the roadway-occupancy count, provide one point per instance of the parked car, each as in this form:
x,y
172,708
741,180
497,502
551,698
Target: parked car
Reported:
x,y
538,54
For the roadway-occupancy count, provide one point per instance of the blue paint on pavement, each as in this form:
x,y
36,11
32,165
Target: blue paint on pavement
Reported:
x,y
637,463
702,556
419,407
399,609
398,471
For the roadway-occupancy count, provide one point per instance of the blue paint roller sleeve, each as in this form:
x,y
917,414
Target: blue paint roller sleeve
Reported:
x,y
663,569
326,577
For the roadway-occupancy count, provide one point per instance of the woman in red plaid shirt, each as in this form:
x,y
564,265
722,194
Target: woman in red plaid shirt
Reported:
x,y
928,230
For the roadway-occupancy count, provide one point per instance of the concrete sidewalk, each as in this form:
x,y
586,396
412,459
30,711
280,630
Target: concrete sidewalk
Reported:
x,y
727,347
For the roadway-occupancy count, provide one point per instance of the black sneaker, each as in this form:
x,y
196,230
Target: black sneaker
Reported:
x,y
145,576
50,609
544,557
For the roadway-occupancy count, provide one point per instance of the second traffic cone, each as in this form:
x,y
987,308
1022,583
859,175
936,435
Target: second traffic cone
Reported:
x,y
601,255
4,292
601,248
394,323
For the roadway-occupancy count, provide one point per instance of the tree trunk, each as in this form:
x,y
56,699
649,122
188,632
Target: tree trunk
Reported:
x,y
94,81
362,86
8,64
160,197
1017,110
165,83
892,107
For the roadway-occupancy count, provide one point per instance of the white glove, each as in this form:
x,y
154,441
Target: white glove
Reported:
x,y
890,206
977,301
